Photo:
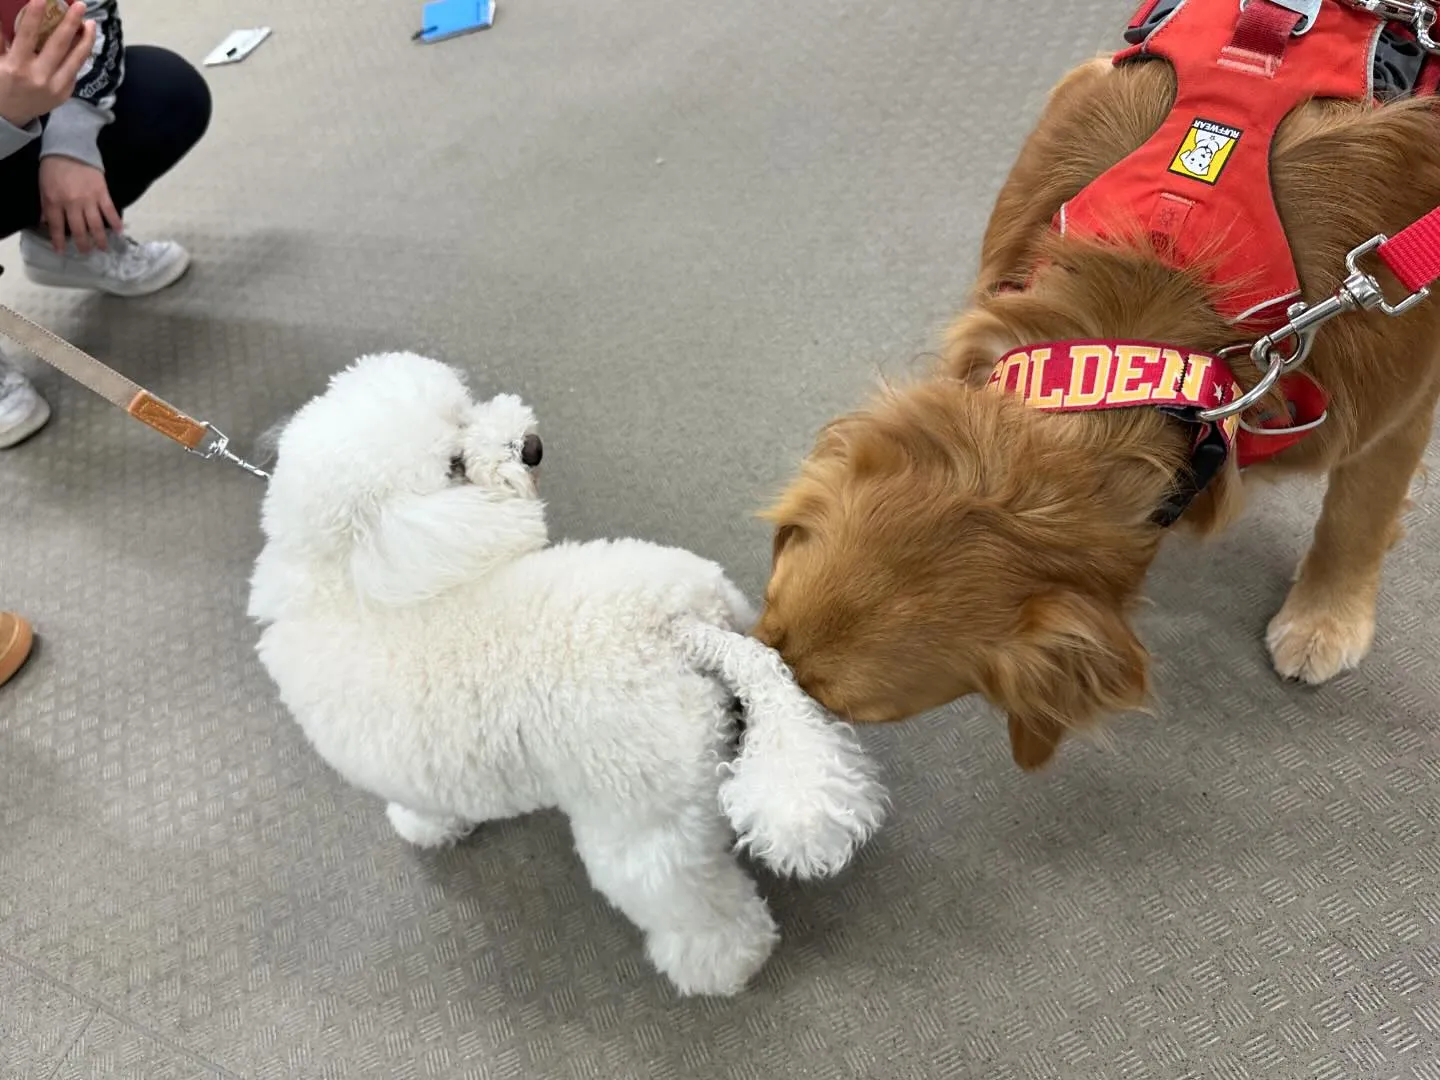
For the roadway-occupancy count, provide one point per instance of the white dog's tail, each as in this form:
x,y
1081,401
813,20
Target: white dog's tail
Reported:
x,y
801,794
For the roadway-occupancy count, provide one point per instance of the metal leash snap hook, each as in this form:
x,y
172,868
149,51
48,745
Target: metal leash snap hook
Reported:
x,y
1365,289
1423,24
1302,323
216,444
1418,15
1358,292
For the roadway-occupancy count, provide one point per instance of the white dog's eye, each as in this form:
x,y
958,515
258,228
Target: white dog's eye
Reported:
x,y
457,468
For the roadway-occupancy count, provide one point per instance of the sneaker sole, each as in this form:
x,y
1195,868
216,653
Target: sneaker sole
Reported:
x,y
27,427
56,280
17,651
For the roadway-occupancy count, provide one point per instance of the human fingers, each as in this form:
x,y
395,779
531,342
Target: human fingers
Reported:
x,y
72,59
95,225
57,44
111,215
27,26
79,229
54,219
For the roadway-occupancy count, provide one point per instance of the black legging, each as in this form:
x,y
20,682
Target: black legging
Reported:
x,y
161,110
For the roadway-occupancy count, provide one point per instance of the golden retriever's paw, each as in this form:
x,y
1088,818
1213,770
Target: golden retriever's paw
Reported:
x,y
1314,642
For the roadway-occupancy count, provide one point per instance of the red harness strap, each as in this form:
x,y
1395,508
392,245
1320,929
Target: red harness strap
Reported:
x,y
1200,186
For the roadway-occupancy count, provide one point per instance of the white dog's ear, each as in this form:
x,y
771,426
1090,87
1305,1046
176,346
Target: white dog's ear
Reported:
x,y
418,546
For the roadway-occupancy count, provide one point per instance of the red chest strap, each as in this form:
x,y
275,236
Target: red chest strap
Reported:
x,y
1200,186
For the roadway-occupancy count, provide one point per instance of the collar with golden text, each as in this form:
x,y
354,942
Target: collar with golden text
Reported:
x,y
1082,376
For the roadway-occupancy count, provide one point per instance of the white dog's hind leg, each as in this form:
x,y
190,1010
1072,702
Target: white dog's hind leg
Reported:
x,y
706,927
423,830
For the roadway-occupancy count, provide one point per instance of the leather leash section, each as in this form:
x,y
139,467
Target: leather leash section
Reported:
x,y
196,436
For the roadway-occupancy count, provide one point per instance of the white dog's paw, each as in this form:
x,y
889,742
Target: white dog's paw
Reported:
x,y
716,960
1314,642
423,831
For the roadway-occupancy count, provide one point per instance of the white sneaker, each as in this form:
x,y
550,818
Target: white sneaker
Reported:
x,y
23,411
128,268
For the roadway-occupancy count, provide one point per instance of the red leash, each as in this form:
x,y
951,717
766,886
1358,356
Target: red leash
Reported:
x,y
1413,254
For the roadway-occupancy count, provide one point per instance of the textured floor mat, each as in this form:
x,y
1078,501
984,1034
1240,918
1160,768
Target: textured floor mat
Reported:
x,y
689,234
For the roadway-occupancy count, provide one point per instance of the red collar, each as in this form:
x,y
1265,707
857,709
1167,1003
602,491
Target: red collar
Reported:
x,y
1082,376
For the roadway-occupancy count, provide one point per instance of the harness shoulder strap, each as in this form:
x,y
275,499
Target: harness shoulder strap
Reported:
x,y
1200,186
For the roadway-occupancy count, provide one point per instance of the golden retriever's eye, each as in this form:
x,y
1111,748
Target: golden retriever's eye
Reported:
x,y
457,468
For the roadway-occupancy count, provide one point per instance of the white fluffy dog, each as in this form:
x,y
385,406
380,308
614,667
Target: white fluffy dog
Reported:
x,y
440,653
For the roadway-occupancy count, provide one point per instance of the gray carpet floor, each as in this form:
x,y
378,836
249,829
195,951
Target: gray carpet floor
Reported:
x,y
689,234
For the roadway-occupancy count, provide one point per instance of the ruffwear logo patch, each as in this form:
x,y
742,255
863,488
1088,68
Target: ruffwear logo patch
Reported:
x,y
1206,149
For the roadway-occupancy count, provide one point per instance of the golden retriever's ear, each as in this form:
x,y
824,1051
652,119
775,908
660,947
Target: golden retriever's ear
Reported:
x,y
783,535
1074,659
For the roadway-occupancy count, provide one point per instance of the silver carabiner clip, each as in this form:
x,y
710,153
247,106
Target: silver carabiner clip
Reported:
x,y
1358,292
1419,15
216,444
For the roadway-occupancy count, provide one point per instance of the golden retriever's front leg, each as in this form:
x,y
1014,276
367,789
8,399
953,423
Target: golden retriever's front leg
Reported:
x,y
1328,620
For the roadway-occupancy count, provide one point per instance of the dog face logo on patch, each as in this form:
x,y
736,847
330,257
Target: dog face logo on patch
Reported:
x,y
1206,149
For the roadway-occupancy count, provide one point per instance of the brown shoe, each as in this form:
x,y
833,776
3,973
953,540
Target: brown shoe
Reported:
x,y
15,641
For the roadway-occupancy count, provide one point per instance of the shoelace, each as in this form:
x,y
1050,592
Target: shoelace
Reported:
x,y
127,256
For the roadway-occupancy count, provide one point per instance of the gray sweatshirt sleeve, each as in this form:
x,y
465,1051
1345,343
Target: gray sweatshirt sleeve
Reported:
x,y
13,138
73,128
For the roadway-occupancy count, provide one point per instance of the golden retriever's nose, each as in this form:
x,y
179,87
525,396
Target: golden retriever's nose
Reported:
x,y
531,451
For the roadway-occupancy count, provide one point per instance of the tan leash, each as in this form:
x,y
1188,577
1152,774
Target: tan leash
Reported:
x,y
196,436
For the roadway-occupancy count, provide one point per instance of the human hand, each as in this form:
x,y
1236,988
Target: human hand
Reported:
x,y
76,195
34,82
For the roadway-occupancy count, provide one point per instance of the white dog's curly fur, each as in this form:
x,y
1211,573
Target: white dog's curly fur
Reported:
x,y
439,652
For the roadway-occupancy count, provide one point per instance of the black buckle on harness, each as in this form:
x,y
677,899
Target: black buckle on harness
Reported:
x,y
1137,32
1207,457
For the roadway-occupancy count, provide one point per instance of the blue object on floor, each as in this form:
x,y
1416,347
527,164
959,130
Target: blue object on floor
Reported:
x,y
445,19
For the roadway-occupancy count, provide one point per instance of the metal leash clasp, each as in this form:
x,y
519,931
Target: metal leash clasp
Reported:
x,y
1418,15
1358,292
216,444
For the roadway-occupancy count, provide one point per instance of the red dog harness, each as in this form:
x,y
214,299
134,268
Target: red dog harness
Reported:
x,y
1198,192
1200,186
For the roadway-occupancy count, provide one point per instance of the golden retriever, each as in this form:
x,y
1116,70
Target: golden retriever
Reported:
x,y
947,540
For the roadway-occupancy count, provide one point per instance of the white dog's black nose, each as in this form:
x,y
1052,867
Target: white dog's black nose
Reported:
x,y
531,451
